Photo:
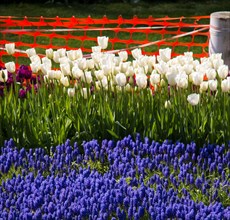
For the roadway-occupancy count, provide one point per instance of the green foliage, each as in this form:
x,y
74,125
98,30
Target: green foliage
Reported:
x,y
50,116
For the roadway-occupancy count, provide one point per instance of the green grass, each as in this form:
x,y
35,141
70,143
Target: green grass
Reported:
x,y
112,10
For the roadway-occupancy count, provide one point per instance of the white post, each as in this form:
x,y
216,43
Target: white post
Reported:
x,y
219,41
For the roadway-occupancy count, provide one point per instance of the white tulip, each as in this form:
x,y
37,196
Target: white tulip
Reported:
x,y
168,104
10,66
84,93
197,78
71,92
96,56
123,55
136,53
47,61
35,67
225,86
161,67
63,60
151,60
223,71
142,61
64,81
204,86
141,80
130,71
90,63
87,77
164,54
58,75
171,76
3,75
128,88
72,54
124,66
139,70
79,53
50,74
182,80
212,85
65,68
193,99
121,79
104,82
103,42
211,74
62,52
99,74
116,61
155,78
107,69
188,68
96,49
45,68
31,52
195,63
217,63
56,57
77,73
35,59
49,53
10,48
82,64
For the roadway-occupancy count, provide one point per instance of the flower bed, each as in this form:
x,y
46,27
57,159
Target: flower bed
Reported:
x,y
158,96
115,180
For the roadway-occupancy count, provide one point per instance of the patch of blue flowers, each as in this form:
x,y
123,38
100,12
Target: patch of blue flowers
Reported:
x,y
127,179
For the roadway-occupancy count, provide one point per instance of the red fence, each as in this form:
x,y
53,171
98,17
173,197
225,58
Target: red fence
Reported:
x,y
181,34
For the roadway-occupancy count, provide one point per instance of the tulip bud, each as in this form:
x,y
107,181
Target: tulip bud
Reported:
x,y
10,66
84,93
3,75
10,48
168,104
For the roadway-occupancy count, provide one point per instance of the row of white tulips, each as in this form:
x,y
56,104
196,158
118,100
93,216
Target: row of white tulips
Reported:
x,y
115,70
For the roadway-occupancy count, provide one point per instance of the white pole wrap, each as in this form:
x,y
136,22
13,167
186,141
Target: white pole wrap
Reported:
x,y
219,41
